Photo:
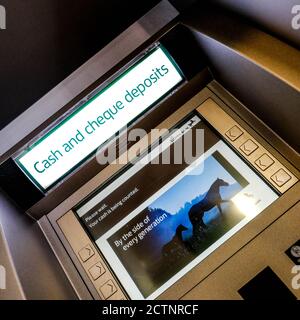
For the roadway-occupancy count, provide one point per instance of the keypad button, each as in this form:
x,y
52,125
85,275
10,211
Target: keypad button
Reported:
x,y
281,177
108,289
97,270
234,133
264,162
86,253
248,147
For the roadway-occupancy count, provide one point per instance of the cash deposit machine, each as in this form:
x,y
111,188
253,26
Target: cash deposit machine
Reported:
x,y
165,167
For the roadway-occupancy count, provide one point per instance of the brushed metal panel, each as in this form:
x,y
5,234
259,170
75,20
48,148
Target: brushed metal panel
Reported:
x,y
79,240
39,273
258,69
76,281
221,121
273,15
13,289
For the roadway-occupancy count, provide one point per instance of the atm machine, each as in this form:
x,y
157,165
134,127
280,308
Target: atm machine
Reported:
x,y
95,204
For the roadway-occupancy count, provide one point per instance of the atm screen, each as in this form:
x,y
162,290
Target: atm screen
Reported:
x,y
162,216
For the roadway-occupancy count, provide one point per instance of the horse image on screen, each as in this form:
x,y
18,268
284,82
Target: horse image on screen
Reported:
x,y
181,223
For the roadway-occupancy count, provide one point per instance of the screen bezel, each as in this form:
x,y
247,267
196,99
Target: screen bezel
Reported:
x,y
127,167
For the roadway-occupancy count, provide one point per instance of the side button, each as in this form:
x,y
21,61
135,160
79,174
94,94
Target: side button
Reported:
x,y
86,253
248,147
108,289
264,162
281,177
234,133
97,270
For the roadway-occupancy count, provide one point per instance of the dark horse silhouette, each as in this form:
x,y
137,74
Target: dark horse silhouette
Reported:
x,y
175,248
212,199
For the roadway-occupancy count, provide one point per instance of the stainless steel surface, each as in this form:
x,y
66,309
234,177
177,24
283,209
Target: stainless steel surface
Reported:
x,y
10,287
37,269
87,256
260,127
14,135
74,271
69,269
238,138
254,67
274,15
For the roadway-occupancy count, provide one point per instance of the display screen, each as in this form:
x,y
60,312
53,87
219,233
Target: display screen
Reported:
x,y
116,106
156,222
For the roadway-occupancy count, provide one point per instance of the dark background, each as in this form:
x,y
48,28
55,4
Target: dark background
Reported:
x,y
46,40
